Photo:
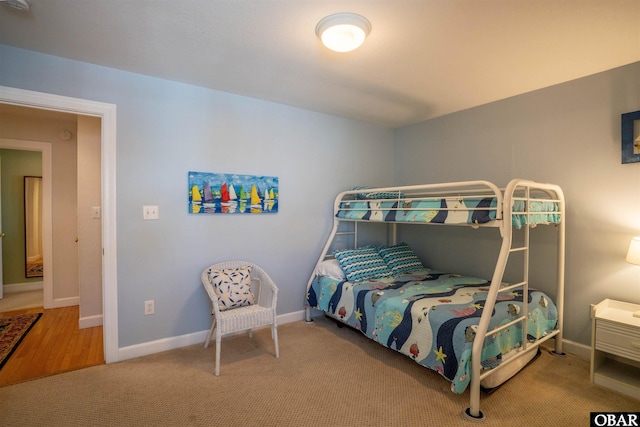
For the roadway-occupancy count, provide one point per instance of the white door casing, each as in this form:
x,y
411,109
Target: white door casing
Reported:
x,y
107,113
1,233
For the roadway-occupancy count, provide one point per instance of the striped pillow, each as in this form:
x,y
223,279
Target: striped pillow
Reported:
x,y
362,264
400,258
232,286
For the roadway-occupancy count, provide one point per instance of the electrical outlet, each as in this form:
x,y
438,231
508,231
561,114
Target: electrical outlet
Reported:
x,y
150,212
149,307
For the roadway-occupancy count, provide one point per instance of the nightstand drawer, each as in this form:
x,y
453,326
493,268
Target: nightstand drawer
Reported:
x,y
618,339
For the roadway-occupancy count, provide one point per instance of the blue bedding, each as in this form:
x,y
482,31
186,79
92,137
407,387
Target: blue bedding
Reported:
x,y
432,316
449,211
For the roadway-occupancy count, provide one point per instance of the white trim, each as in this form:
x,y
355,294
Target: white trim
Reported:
x,y
171,343
581,351
283,319
13,288
107,112
66,302
164,344
90,321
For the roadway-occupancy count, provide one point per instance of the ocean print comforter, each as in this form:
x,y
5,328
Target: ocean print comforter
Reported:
x,y
449,211
432,316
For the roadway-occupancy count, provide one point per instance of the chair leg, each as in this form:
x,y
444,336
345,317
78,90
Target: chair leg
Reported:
x,y
213,327
218,356
274,335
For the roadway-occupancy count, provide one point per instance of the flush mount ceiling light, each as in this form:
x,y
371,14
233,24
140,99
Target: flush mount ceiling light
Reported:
x,y
16,4
343,32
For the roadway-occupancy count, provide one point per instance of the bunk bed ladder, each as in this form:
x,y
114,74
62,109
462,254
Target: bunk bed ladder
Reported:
x,y
506,231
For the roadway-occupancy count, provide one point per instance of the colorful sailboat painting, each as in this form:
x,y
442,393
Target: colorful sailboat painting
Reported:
x,y
220,193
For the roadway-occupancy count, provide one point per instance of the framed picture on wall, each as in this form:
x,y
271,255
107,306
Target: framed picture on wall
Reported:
x,y
631,137
221,193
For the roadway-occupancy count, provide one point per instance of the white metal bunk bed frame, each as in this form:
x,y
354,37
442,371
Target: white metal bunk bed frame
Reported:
x,y
516,190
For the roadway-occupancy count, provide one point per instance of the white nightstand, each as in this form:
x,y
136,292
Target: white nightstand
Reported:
x,y
615,346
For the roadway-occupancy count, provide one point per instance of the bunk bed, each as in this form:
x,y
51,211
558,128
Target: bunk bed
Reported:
x,y
474,332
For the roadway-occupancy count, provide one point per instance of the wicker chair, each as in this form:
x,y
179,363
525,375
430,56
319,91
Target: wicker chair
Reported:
x,y
249,317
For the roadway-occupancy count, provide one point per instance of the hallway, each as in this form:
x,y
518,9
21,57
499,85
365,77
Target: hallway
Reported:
x,y
19,300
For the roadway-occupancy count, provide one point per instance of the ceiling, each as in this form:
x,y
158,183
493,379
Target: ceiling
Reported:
x,y
423,58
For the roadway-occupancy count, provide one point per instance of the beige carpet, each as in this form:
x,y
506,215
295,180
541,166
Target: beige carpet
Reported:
x,y
325,377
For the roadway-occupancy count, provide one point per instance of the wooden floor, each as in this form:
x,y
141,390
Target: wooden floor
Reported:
x,y
54,345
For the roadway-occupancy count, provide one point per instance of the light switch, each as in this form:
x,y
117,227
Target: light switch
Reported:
x,y
95,212
150,212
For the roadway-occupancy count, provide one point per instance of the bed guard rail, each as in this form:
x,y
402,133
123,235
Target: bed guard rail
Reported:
x,y
418,198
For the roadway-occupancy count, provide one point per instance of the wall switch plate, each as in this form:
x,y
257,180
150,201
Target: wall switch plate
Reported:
x,y
149,307
150,212
95,212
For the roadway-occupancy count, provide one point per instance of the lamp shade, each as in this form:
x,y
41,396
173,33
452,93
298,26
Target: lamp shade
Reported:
x,y
343,32
633,254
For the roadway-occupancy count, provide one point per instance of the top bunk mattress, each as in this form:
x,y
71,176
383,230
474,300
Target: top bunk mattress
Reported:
x,y
447,210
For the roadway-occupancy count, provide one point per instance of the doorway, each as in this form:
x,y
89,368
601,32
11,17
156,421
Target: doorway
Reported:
x,y
107,113
45,150
21,202
68,335
65,337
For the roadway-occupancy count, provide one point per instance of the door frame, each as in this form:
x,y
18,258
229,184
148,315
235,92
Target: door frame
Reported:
x,y
1,235
107,112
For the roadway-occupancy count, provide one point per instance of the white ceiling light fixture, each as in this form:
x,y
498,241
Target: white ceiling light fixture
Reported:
x,y
343,32
16,4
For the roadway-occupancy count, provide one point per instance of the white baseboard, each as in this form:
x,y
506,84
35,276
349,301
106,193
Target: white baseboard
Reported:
x,y
171,343
581,351
157,346
138,350
66,302
90,321
283,319
22,287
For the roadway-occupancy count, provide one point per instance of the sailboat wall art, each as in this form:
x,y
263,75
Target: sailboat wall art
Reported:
x,y
221,193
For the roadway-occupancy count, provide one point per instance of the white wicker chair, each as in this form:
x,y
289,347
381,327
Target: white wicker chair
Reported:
x,y
262,313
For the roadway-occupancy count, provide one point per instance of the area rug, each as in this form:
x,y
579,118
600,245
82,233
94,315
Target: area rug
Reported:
x,y
12,330
35,269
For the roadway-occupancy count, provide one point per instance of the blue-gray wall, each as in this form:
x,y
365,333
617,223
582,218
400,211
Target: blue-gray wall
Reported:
x,y
567,134
164,130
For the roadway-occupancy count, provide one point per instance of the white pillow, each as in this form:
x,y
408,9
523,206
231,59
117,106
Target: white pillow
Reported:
x,y
232,286
330,268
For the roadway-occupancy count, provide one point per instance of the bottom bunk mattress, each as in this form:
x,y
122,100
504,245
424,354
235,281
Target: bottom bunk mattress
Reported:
x,y
432,317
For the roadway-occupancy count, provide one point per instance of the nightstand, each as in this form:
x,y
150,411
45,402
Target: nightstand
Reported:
x,y
615,346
